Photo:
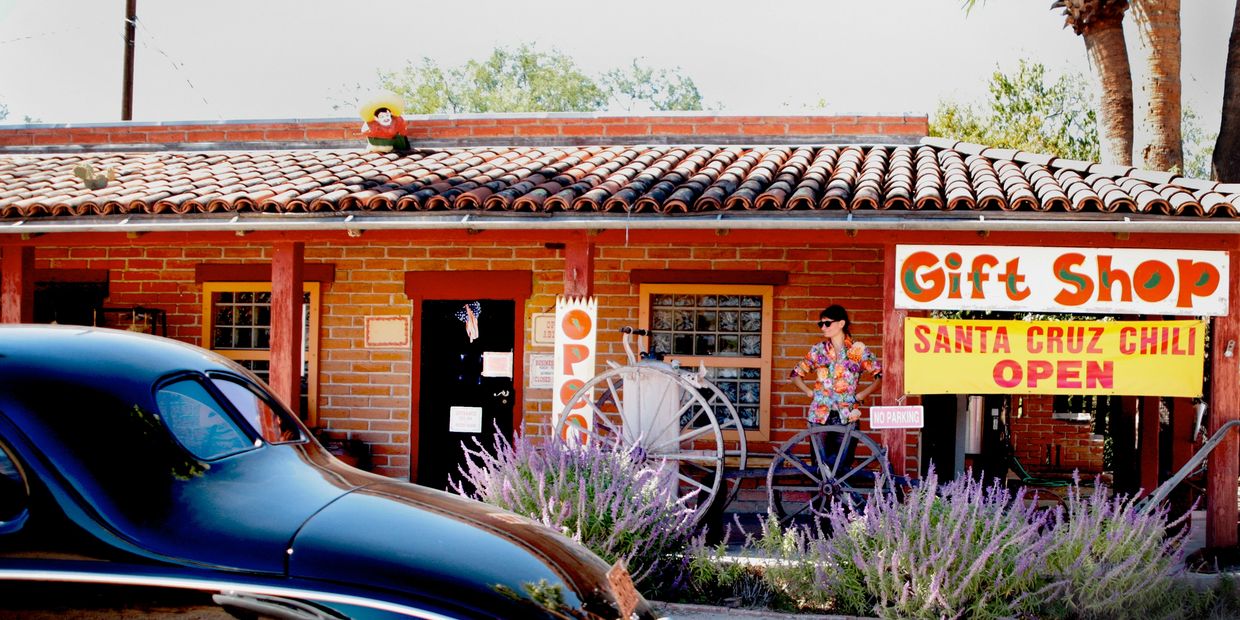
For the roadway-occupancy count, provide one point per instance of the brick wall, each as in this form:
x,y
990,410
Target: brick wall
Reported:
x,y
468,130
1036,430
364,393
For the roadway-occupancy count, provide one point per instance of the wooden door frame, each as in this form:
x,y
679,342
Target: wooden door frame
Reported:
x,y
420,286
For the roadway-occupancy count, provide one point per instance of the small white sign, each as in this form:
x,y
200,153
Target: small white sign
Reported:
x,y
465,420
543,333
542,371
909,416
497,364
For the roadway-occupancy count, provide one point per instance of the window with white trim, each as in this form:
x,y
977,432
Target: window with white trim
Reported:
x,y
236,323
727,328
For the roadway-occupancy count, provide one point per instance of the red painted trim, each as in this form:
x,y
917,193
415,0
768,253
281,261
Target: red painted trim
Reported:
x,y
17,285
1183,417
893,361
1224,402
721,276
287,288
579,268
423,285
239,272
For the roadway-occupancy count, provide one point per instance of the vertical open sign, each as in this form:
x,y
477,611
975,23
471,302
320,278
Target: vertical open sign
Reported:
x,y
906,416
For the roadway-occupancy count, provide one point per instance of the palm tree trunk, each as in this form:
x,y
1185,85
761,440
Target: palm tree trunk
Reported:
x,y
1104,44
1226,162
1158,26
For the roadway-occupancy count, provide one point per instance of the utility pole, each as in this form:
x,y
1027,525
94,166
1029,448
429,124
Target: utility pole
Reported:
x,y
131,21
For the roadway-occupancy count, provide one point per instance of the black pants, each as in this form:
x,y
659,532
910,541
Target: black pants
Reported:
x,y
829,448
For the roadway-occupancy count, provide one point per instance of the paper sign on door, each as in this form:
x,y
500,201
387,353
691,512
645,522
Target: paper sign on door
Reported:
x,y
465,420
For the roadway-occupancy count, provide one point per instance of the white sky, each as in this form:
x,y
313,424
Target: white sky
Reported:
x,y
60,60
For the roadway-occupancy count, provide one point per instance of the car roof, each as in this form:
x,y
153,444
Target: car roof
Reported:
x,y
72,350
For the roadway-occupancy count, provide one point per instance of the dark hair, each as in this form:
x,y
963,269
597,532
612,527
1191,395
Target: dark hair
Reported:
x,y
378,110
836,312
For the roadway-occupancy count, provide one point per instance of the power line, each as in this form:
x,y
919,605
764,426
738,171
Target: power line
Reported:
x,y
176,66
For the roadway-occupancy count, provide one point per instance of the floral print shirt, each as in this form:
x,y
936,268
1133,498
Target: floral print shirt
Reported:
x,y
835,376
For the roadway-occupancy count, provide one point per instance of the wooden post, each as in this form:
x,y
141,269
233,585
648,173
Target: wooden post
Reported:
x,y
579,268
1148,445
17,285
1222,465
1183,416
1123,436
287,295
893,360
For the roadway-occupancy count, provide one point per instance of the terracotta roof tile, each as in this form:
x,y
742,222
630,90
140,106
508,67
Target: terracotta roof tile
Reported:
x,y
938,174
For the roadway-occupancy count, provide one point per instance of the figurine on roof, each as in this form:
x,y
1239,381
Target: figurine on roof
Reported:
x,y
383,126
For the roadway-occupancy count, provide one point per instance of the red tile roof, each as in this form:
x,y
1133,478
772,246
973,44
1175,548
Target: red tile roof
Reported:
x,y
935,176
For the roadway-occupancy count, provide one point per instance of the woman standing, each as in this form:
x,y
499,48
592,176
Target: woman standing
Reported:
x,y
836,365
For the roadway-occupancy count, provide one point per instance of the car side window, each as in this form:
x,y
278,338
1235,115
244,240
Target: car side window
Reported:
x,y
271,423
198,421
14,491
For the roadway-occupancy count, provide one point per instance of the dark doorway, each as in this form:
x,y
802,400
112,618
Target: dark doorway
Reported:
x,y
455,389
69,303
939,435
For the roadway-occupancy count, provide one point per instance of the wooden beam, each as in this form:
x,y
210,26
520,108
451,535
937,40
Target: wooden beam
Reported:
x,y
17,285
287,295
1148,445
579,268
1222,465
893,360
1183,417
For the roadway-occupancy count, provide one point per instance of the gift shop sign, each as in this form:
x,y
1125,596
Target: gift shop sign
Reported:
x,y
1154,358
576,321
1069,280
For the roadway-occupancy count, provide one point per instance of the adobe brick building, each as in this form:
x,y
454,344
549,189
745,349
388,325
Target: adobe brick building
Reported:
x,y
214,229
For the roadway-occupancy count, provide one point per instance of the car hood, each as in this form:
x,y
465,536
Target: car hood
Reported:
x,y
429,544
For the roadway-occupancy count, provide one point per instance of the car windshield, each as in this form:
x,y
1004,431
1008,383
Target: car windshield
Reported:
x,y
269,422
198,421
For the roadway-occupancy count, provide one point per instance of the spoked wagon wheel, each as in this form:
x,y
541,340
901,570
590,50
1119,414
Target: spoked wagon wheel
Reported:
x,y
657,414
802,485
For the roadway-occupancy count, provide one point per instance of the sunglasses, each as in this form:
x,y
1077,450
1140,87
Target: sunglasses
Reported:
x,y
828,322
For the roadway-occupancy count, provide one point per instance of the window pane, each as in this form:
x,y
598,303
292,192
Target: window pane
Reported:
x,y
729,345
682,344
662,343
198,422
751,345
267,421
705,345
707,321
661,300
661,320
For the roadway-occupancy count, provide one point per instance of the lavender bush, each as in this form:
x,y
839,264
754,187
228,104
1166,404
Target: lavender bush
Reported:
x,y
966,550
618,507
1116,561
961,550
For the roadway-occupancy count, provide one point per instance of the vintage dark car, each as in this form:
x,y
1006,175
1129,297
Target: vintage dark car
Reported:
x,y
133,461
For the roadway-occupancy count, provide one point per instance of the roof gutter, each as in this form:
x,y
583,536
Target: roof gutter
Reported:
x,y
355,223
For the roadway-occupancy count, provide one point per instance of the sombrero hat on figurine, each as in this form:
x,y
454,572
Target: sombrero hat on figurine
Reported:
x,y
392,101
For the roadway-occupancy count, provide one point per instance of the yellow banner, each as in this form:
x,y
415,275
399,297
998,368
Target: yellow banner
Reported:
x,y
1135,358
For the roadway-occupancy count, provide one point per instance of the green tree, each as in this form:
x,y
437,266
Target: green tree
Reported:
x,y
525,79
638,86
1027,111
